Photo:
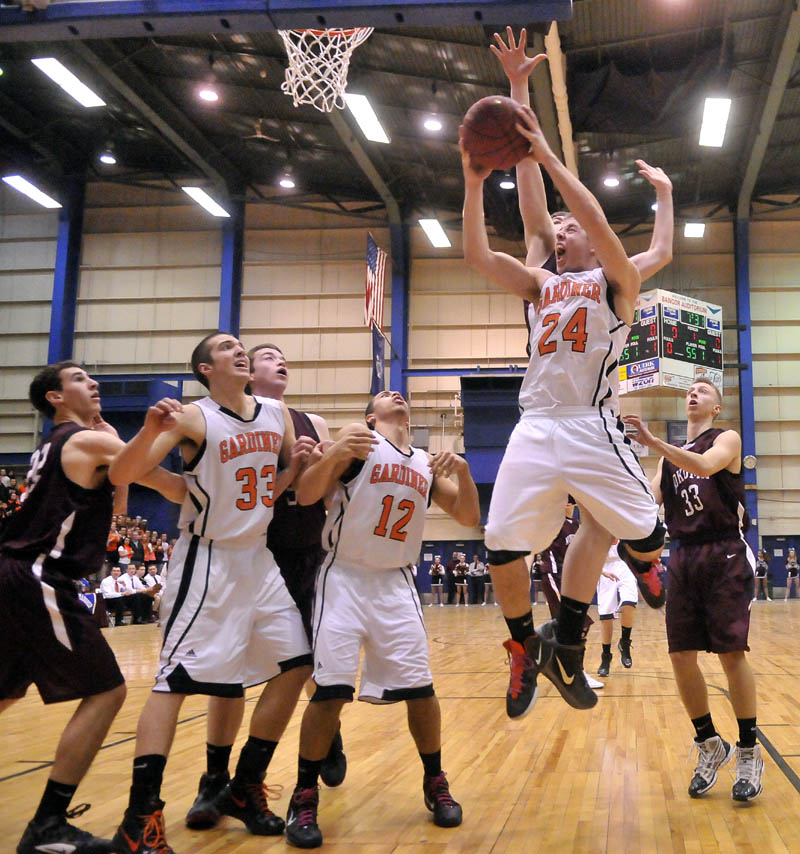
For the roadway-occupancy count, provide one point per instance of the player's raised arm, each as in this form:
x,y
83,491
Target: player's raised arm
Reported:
x,y
540,235
293,455
504,270
459,501
622,275
355,442
655,483
660,252
724,453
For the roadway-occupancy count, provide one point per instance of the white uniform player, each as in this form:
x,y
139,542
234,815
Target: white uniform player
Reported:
x,y
220,572
365,589
570,425
613,594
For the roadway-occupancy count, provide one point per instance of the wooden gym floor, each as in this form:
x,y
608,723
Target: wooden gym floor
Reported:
x,y
610,780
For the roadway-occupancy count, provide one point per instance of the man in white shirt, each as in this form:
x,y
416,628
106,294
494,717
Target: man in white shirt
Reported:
x,y
153,583
139,602
475,585
112,590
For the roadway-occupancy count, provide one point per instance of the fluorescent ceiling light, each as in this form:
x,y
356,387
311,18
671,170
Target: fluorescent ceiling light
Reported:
x,y
31,191
205,201
694,229
715,120
611,181
433,228
363,113
432,124
208,94
60,74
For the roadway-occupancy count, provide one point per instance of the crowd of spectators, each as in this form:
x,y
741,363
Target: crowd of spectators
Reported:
x,y
11,492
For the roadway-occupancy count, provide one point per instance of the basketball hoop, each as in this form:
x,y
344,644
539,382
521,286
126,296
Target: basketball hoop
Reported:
x,y
318,63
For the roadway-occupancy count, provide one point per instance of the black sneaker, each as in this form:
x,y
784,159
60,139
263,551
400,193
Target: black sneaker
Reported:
x,y
249,804
334,765
142,832
204,812
624,648
749,768
57,834
562,664
302,829
605,664
712,754
522,688
649,577
446,811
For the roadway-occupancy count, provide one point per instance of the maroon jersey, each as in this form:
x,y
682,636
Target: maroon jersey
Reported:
x,y
703,509
294,526
558,548
60,519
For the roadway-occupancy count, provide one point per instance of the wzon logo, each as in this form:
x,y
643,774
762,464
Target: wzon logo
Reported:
x,y
649,366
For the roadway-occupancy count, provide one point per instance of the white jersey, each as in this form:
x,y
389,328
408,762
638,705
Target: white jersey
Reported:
x,y
376,519
232,478
575,342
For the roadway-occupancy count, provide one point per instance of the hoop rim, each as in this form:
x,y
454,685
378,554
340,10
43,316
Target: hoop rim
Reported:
x,y
331,31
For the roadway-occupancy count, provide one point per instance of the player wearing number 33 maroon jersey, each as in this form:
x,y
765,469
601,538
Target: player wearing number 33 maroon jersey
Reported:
x,y
379,488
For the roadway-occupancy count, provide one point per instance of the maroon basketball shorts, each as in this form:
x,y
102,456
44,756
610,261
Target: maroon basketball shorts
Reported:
x,y
49,638
299,569
708,597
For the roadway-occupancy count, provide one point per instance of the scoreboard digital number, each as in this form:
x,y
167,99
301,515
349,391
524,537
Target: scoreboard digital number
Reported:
x,y
674,340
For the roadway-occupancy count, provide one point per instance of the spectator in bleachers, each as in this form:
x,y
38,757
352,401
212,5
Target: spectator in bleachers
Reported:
x,y
140,603
113,591
154,584
125,553
112,546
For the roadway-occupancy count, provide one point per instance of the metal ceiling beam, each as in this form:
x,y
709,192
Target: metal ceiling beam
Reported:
x,y
781,63
163,115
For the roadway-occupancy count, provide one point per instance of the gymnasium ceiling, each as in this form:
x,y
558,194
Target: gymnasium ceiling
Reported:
x,y
637,74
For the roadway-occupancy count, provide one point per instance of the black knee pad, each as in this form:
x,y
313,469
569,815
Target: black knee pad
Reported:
x,y
654,540
501,556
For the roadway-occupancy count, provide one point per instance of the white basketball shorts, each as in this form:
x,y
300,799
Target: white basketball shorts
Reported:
x,y
611,594
548,458
227,619
379,612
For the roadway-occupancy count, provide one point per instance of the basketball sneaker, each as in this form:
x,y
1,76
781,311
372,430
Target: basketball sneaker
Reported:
x,y
649,577
142,833
446,811
57,834
302,829
593,683
204,812
334,765
522,689
713,753
605,664
624,647
249,804
562,664
749,768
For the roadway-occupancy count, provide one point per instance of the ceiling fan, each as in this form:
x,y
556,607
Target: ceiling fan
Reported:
x,y
259,134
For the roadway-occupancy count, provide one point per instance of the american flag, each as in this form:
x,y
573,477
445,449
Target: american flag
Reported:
x,y
376,271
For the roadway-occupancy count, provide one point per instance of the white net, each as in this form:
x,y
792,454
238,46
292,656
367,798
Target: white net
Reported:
x,y
318,63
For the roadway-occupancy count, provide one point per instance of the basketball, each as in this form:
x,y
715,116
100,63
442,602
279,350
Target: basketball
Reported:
x,y
490,134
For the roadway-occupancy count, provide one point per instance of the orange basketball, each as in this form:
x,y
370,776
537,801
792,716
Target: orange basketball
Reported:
x,y
490,134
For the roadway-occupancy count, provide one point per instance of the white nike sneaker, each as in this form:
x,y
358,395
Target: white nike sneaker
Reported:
x,y
592,682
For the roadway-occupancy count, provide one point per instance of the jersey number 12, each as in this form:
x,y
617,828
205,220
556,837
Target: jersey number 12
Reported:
x,y
398,531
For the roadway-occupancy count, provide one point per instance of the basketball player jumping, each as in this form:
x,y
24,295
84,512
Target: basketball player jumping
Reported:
x,y
570,439
295,540
366,596
228,621
711,582
46,635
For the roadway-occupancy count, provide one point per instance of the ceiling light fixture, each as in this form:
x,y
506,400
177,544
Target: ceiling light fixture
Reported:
x,y
694,229
205,201
436,235
507,182
611,181
432,124
206,93
108,155
715,120
287,182
30,190
61,75
363,113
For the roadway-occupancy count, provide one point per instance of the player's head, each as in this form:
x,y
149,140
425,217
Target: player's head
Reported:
x,y
557,217
574,252
703,399
220,357
387,406
65,388
268,373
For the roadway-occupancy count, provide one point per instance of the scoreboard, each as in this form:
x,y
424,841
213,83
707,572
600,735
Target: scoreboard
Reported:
x,y
674,340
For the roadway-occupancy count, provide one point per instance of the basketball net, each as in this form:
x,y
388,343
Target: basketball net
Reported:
x,y
318,63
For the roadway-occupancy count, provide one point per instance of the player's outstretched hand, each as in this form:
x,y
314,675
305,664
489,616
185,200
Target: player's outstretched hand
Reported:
x,y
528,125
473,174
643,435
656,176
101,426
516,64
446,463
161,416
355,441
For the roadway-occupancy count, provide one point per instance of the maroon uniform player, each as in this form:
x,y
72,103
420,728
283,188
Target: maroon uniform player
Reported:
x,y
711,582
